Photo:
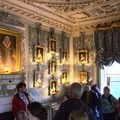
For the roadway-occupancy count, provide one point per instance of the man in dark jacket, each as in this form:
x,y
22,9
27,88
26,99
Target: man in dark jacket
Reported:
x,y
73,103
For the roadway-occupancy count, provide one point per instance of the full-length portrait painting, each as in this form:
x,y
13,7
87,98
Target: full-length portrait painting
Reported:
x,y
53,87
9,51
38,79
39,54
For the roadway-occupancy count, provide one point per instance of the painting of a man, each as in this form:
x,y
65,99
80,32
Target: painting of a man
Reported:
x,y
7,53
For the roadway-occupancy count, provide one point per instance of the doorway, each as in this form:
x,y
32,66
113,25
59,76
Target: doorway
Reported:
x,y
110,76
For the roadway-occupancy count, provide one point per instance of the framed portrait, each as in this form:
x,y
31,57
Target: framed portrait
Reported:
x,y
53,87
52,66
10,61
39,54
64,57
83,56
83,77
64,77
52,45
38,79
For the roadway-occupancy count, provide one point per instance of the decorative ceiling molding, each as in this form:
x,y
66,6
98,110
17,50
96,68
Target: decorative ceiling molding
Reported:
x,y
35,15
65,15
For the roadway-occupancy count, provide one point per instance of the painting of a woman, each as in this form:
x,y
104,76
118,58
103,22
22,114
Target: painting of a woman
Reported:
x,y
7,53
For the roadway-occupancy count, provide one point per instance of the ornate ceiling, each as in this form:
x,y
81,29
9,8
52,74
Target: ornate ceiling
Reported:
x,y
65,14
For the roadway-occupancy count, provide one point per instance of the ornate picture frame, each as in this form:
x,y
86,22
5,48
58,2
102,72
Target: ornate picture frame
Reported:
x,y
83,77
39,54
10,50
52,45
52,66
83,56
53,86
64,77
38,79
64,57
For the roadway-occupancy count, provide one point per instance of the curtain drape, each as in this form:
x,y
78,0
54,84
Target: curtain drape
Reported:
x,y
107,44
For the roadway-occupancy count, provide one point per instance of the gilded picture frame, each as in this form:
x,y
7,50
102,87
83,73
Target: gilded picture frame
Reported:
x,y
53,86
83,77
64,57
38,79
52,66
10,52
83,56
52,45
64,77
39,54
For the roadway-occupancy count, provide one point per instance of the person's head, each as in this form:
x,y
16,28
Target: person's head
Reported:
x,y
86,88
106,91
37,111
78,115
21,87
75,90
95,88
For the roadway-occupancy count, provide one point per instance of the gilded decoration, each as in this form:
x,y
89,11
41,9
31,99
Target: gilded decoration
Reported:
x,y
39,54
53,87
38,79
83,56
65,15
9,52
83,77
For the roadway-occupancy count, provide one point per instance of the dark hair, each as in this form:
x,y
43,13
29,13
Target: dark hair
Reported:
x,y
106,88
37,110
20,85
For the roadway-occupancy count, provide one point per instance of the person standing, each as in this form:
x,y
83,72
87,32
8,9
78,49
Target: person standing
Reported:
x,y
72,103
108,103
20,102
36,111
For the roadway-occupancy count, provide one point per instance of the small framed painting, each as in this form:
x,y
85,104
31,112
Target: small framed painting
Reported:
x,y
52,66
38,79
53,87
83,77
52,45
83,56
64,57
64,77
39,54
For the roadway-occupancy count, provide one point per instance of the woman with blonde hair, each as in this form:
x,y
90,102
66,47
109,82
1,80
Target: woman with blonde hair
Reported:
x,y
78,115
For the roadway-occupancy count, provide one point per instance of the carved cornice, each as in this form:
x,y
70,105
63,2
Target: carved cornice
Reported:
x,y
60,14
36,15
